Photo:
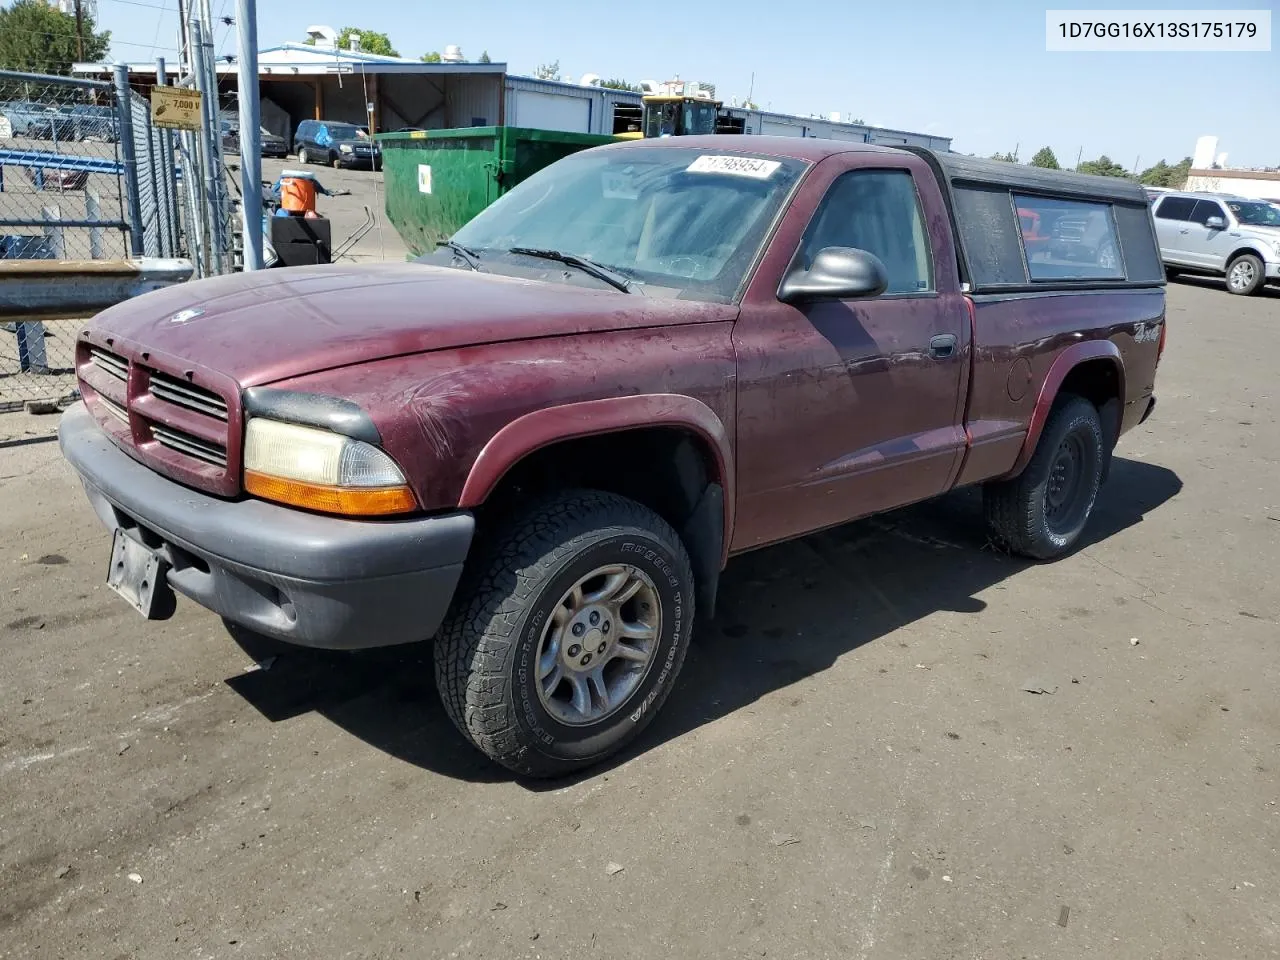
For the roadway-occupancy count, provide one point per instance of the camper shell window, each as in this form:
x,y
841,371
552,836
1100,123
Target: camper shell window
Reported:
x,y
1026,229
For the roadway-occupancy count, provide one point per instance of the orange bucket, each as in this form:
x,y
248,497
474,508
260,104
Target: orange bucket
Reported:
x,y
297,192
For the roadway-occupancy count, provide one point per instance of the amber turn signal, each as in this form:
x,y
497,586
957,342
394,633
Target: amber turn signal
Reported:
x,y
348,501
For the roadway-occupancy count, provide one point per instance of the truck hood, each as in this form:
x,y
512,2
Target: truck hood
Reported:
x,y
275,324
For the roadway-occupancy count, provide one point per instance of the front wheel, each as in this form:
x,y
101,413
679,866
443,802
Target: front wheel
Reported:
x,y
303,156
568,633
1042,512
1245,275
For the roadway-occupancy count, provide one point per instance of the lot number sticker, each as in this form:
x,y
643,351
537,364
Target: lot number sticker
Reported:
x,y
424,178
737,166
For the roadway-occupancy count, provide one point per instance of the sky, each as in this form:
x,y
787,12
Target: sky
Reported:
x,y
979,74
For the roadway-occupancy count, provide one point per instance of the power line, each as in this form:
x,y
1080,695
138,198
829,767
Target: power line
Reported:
x,y
139,3
49,34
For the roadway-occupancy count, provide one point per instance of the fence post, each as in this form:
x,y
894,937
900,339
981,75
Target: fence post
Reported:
x,y
169,177
53,232
31,355
210,142
129,157
250,133
93,211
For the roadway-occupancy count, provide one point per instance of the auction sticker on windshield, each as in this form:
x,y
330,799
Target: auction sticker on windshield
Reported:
x,y
738,166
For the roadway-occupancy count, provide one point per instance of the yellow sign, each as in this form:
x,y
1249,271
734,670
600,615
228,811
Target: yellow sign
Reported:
x,y
175,107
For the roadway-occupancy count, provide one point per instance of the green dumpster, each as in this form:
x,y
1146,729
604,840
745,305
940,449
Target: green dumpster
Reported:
x,y
437,180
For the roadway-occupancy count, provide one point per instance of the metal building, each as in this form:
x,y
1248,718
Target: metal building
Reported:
x,y
556,105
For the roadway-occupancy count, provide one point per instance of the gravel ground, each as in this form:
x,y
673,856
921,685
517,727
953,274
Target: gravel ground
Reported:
x,y
892,742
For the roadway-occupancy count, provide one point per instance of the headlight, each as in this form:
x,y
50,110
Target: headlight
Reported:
x,y
345,147
324,471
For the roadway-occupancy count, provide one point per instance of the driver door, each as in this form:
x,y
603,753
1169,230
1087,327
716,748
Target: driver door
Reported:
x,y
847,408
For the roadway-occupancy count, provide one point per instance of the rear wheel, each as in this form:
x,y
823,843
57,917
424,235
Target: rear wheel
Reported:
x,y
1042,512
567,635
1245,275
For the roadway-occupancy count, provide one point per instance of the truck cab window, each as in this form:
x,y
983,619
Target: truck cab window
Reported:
x,y
1175,208
877,211
1206,209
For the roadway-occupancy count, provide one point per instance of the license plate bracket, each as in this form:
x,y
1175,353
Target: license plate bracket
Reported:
x,y
138,575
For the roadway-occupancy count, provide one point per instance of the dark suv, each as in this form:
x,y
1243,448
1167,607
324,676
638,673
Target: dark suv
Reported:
x,y
337,144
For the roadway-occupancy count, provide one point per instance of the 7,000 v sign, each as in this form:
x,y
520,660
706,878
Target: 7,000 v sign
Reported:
x,y
175,108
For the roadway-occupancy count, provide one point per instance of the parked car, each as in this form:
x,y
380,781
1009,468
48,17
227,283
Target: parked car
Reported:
x,y
1220,235
56,178
94,123
273,145
541,443
338,144
38,121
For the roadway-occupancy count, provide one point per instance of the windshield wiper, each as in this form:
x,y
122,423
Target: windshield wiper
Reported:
x,y
465,254
599,271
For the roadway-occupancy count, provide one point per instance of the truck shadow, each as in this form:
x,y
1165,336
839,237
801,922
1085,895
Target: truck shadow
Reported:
x,y
785,613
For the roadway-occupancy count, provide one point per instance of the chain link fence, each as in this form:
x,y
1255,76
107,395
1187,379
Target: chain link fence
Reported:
x,y
69,159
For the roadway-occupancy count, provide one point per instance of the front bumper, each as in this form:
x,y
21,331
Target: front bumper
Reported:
x,y
307,579
359,160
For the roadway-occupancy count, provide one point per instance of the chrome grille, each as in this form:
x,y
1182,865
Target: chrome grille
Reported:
x,y
192,446
172,390
110,363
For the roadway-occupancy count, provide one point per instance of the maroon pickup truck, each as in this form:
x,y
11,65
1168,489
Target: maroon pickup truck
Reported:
x,y
539,445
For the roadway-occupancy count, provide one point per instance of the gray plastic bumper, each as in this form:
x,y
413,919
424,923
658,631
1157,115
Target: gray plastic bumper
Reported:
x,y
307,579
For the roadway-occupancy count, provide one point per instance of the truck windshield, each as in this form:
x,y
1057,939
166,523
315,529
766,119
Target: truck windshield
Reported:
x,y
1256,214
684,223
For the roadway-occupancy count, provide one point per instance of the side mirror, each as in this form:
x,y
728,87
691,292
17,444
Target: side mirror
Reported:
x,y
838,273
1216,223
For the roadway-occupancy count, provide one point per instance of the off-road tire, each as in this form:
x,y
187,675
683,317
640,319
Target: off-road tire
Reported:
x,y
494,627
1017,510
1253,286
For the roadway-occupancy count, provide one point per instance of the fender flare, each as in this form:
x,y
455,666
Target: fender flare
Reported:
x,y
1246,248
1063,364
571,421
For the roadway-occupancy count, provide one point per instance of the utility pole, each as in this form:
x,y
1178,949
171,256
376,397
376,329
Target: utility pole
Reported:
x,y
209,146
250,133
184,40
79,33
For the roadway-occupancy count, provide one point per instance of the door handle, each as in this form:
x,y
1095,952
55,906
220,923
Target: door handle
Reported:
x,y
942,346
1184,230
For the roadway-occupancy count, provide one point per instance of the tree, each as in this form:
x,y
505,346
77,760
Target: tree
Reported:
x,y
484,57
614,83
371,41
548,71
1164,175
1006,157
36,38
1104,166
432,57
1045,158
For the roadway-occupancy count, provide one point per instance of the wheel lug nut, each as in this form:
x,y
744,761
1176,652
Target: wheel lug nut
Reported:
x,y
595,617
600,649
574,650
585,659
579,629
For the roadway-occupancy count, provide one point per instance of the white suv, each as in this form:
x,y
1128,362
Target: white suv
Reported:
x,y
1227,236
